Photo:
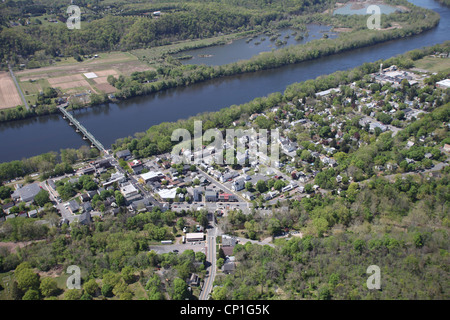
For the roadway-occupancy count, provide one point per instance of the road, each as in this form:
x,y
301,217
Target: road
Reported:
x,y
219,185
135,183
211,258
18,87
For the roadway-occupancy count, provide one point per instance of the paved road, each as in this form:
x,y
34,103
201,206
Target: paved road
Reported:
x,y
18,87
211,258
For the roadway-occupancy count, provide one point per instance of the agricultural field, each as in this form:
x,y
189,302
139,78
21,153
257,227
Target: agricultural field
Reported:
x,y
72,77
9,96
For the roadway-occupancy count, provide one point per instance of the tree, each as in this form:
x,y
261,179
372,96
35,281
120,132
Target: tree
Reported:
x,y
128,274
120,199
48,287
107,290
261,186
279,184
91,287
5,192
274,226
27,279
179,290
219,293
72,294
31,295
42,198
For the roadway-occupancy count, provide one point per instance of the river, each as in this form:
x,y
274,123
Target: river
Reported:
x,y
30,137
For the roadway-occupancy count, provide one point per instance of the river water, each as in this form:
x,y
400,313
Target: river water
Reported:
x,y
31,137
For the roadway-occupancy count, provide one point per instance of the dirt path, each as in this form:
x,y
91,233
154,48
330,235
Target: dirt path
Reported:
x,y
12,246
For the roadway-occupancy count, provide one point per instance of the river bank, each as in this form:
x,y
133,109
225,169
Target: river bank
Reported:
x,y
294,54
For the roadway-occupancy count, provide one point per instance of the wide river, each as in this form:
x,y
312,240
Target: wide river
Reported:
x,y
31,137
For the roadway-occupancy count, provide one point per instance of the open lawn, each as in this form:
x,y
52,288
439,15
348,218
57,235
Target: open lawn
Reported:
x,y
433,64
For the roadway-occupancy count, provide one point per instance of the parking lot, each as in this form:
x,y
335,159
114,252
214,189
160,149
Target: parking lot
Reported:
x,y
166,248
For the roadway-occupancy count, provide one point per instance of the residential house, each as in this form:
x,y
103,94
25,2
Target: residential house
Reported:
x,y
73,206
136,166
85,218
238,184
124,154
198,194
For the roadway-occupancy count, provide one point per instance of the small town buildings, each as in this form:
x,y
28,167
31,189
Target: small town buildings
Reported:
x,y
123,154
227,197
210,195
152,176
26,193
129,191
195,236
136,166
238,184
73,206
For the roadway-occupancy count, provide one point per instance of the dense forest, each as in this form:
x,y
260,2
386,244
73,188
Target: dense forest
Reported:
x,y
127,29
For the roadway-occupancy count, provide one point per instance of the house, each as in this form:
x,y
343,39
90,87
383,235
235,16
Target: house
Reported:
x,y
26,193
103,163
249,196
197,194
85,218
115,177
87,170
210,195
194,280
444,84
84,197
51,184
136,166
73,206
141,205
446,147
7,207
87,207
124,154
238,184
32,213
228,267
228,241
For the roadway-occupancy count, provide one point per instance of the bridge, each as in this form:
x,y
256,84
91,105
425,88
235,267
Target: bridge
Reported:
x,y
81,128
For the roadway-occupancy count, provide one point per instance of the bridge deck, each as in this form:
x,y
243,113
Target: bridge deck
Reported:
x,y
80,127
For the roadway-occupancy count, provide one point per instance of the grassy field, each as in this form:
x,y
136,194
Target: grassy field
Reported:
x,y
68,74
433,64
